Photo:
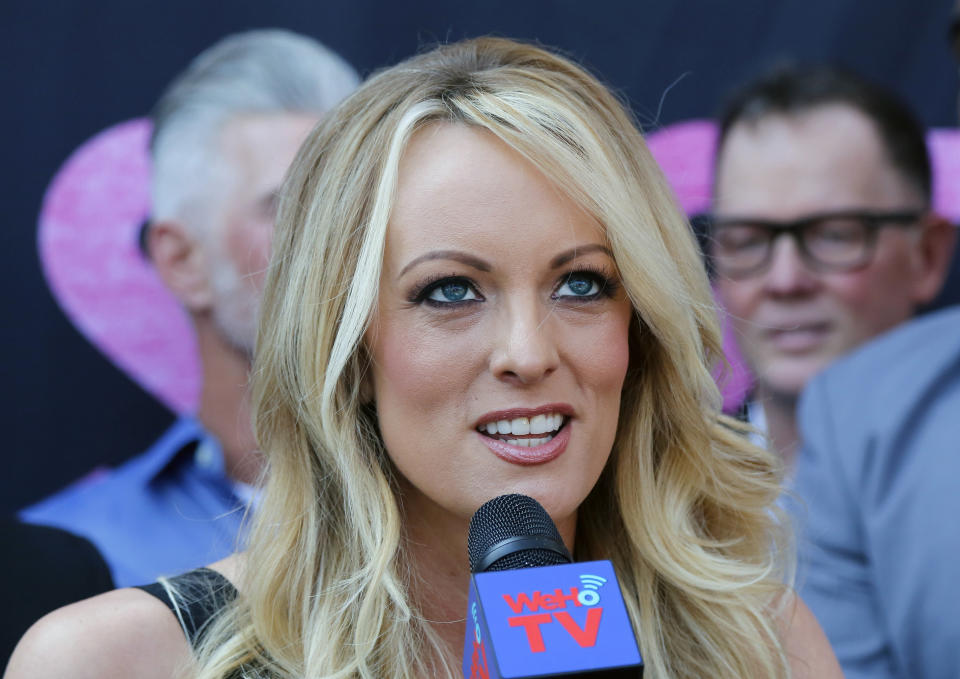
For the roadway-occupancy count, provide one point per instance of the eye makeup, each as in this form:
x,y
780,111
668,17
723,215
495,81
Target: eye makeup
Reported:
x,y
606,285
446,284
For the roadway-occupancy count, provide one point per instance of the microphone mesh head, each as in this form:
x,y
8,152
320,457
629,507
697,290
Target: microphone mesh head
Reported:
x,y
510,516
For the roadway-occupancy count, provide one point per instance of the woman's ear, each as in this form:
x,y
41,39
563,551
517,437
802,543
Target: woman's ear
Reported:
x,y
366,388
181,263
368,394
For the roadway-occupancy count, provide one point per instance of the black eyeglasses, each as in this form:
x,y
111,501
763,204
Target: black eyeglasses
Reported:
x,y
835,241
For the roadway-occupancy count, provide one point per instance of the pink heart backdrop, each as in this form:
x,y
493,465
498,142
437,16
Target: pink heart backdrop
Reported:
x,y
88,231
685,152
91,214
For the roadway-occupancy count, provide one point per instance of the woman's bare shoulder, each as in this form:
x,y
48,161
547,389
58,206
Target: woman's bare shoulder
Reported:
x,y
231,568
124,633
810,654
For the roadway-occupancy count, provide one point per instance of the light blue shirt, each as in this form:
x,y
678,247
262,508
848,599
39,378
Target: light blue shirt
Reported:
x,y
168,510
880,474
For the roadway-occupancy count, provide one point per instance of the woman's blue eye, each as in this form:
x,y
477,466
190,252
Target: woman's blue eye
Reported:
x,y
579,285
452,291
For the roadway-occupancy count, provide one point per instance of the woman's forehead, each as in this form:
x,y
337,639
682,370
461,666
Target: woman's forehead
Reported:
x,y
462,186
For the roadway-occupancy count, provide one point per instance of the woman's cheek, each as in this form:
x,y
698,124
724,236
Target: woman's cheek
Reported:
x,y
602,349
423,365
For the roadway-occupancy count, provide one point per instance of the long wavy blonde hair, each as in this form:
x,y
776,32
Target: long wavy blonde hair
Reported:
x,y
684,508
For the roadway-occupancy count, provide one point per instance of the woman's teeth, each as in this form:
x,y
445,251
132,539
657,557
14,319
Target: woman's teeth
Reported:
x,y
528,443
524,426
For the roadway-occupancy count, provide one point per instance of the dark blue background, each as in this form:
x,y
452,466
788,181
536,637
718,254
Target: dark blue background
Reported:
x,y
71,69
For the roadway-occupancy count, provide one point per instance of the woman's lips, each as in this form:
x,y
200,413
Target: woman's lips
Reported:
x,y
522,455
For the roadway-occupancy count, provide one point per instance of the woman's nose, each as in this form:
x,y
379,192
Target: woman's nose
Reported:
x,y
525,351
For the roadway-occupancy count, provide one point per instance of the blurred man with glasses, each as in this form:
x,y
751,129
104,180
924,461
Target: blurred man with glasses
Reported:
x,y
822,235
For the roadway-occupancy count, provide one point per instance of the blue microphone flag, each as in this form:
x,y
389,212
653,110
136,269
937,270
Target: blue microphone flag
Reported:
x,y
554,621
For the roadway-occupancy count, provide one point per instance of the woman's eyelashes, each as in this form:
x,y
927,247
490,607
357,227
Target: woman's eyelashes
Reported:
x,y
446,291
585,285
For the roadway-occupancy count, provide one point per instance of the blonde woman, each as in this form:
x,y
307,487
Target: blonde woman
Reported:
x,y
480,284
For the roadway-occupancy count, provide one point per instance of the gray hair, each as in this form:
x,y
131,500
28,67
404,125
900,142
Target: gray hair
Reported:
x,y
256,72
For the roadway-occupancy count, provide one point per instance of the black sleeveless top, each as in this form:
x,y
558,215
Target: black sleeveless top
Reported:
x,y
195,598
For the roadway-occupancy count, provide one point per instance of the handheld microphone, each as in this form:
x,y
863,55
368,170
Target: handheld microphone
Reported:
x,y
532,611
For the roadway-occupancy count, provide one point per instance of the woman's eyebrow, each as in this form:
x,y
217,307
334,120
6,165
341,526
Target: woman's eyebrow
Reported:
x,y
578,251
455,255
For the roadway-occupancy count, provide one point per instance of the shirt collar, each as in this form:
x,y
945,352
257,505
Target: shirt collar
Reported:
x,y
186,442
757,418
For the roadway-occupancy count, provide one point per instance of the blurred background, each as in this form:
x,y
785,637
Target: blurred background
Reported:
x,y
72,69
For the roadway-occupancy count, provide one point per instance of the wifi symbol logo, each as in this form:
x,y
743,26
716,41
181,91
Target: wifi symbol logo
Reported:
x,y
588,595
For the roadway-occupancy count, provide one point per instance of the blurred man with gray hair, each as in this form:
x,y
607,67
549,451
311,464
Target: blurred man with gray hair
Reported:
x,y
224,133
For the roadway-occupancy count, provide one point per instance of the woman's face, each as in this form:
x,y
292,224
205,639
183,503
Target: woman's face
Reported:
x,y
500,341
